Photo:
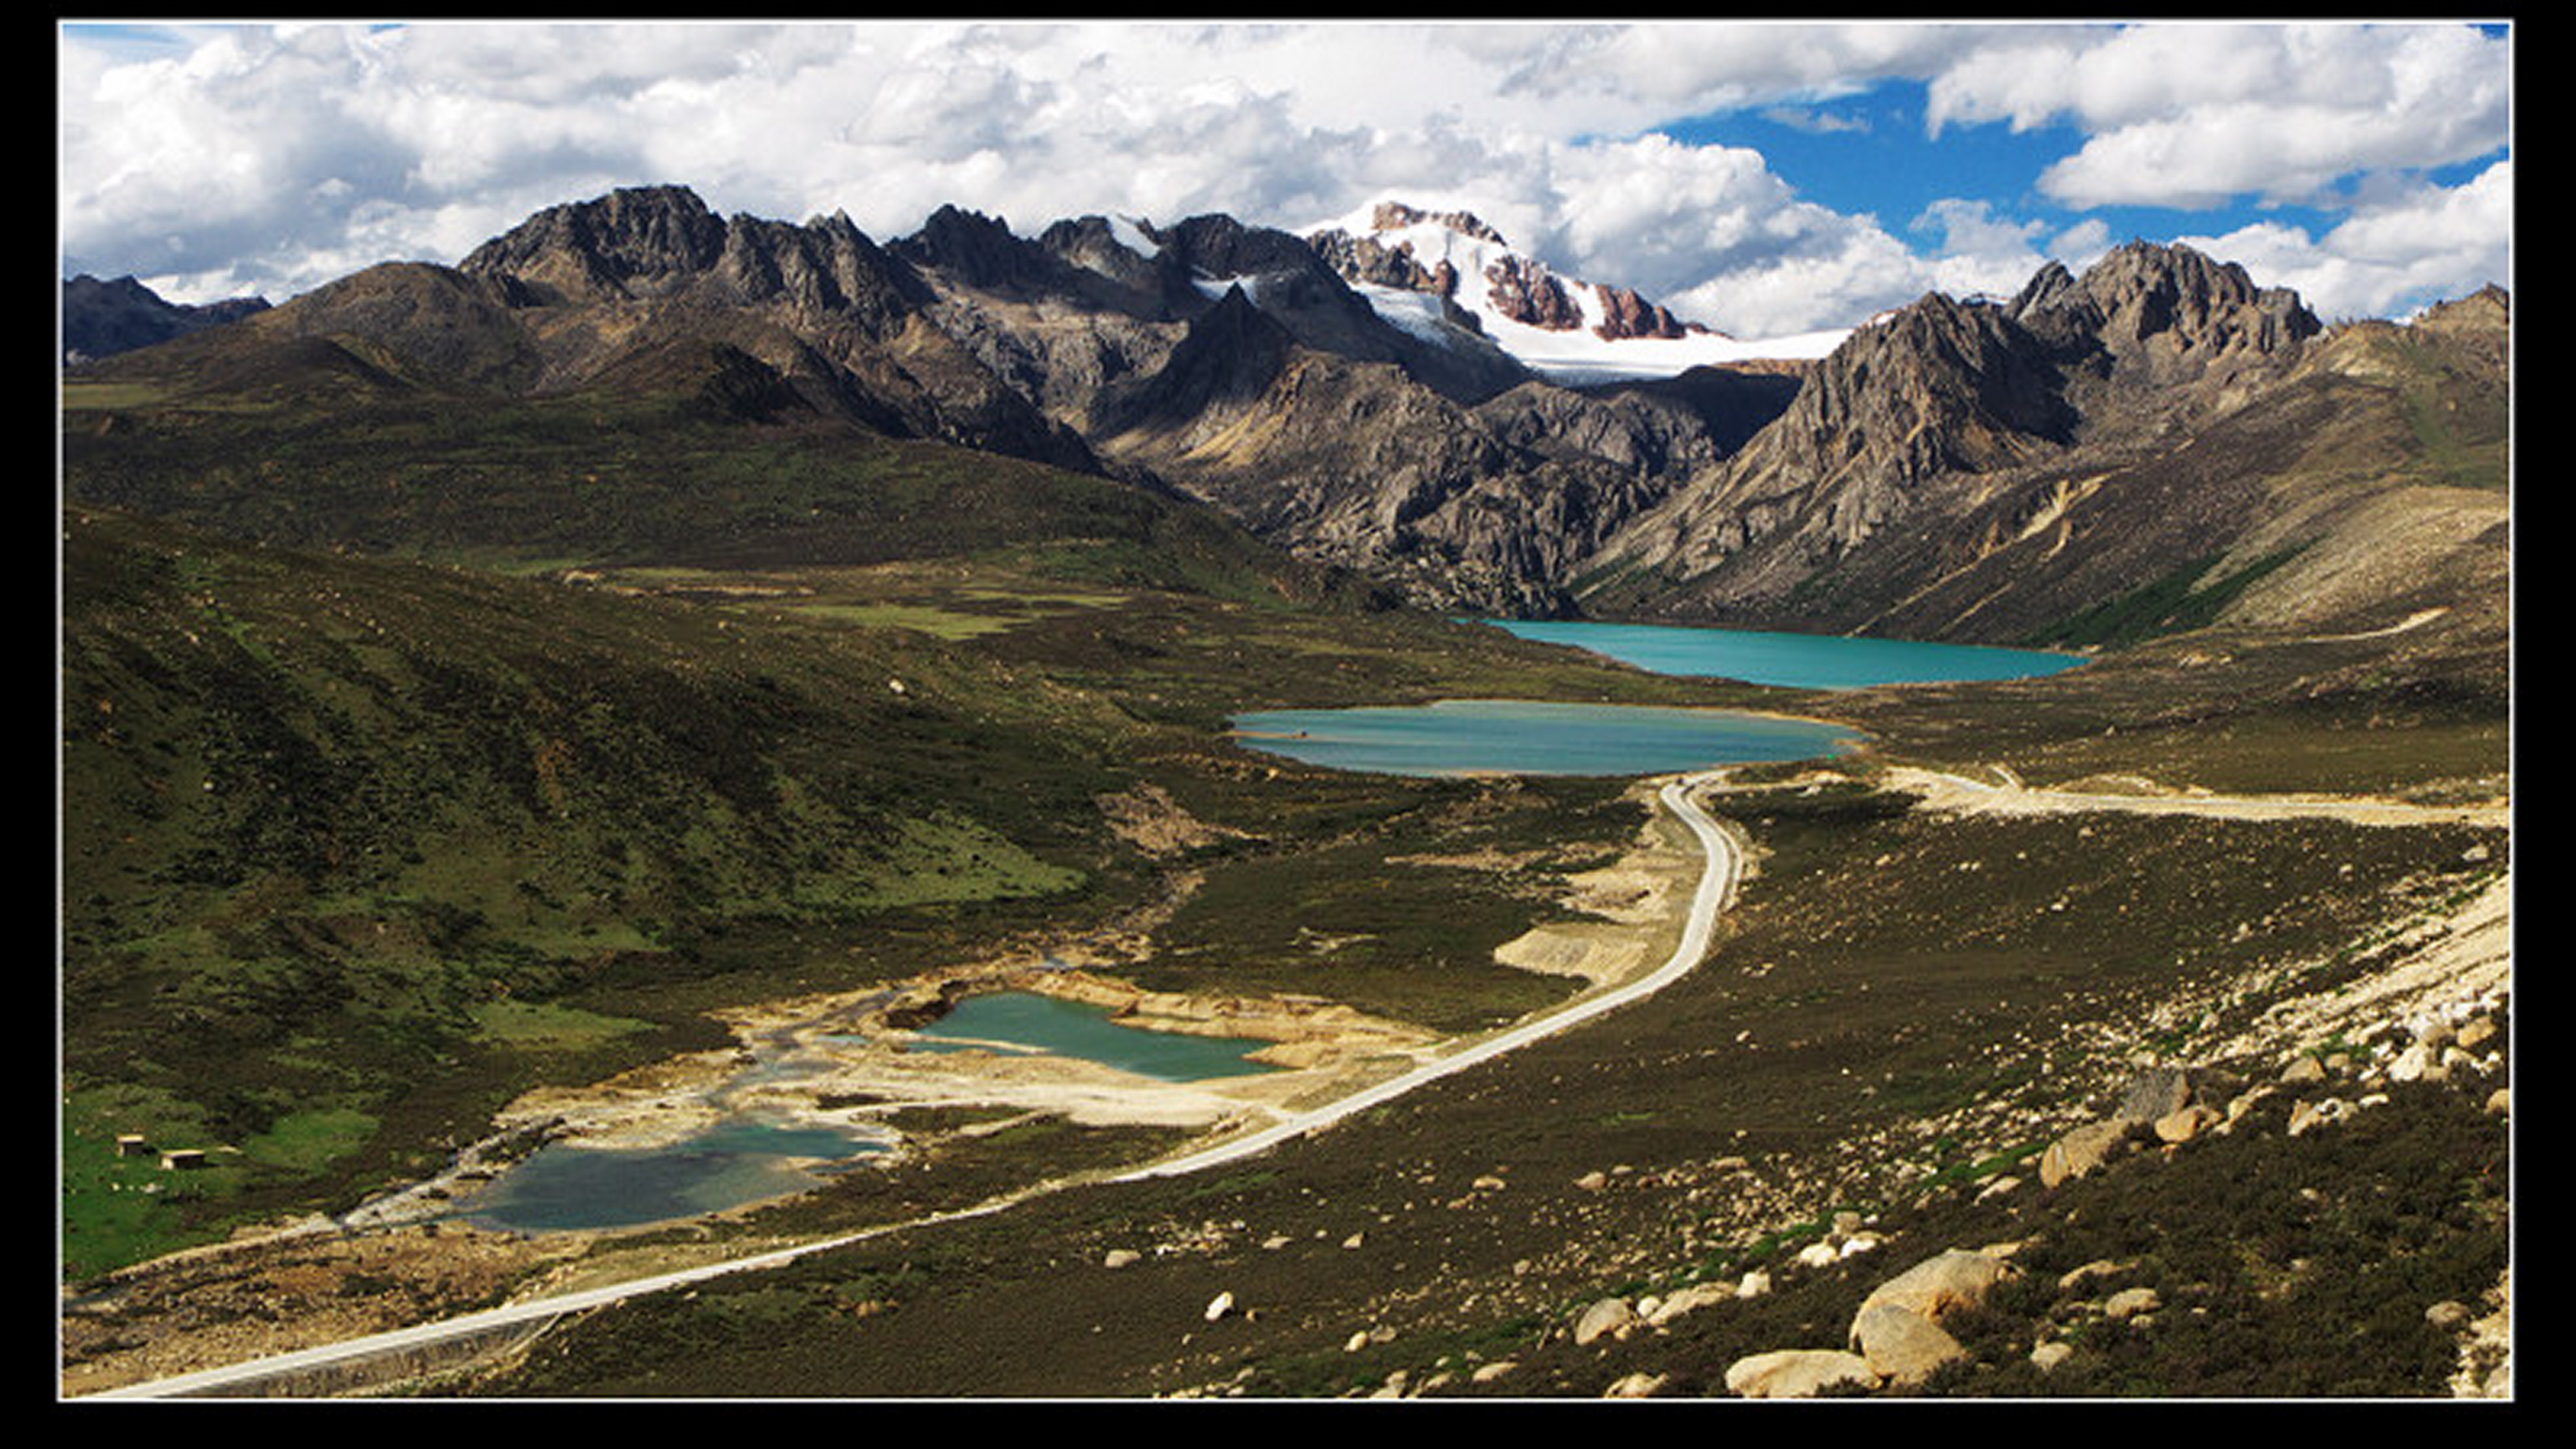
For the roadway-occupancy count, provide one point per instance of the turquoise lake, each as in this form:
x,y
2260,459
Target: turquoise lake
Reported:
x,y
1526,737
566,1186
1032,1022
1795,661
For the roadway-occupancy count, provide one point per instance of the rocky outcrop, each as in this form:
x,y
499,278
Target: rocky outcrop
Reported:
x,y
2163,317
1531,295
1624,314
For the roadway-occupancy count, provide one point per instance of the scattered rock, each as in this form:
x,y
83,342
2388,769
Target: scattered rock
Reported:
x,y
2130,1302
1219,1306
2047,1356
2074,1278
2307,1115
1635,1386
1119,1257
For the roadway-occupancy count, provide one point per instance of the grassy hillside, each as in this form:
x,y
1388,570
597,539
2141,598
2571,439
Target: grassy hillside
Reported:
x,y
324,818
354,849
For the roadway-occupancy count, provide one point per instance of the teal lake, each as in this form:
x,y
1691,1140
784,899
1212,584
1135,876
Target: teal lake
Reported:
x,y
1795,661
1031,1022
1527,737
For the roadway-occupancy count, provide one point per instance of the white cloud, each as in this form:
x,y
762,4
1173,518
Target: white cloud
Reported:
x,y
273,159
2400,253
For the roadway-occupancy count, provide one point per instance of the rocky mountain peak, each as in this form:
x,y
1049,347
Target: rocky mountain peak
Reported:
x,y
1938,384
2164,313
980,251
635,241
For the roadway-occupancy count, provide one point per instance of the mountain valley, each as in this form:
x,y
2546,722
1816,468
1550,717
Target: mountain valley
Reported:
x,y
485,681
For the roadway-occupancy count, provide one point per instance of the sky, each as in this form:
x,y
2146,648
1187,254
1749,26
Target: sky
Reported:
x,y
1763,178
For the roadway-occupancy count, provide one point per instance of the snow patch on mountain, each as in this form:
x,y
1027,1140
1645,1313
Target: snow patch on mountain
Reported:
x,y
1127,233
1578,353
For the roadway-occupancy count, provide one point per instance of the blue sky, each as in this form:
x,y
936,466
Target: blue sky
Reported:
x,y
1765,178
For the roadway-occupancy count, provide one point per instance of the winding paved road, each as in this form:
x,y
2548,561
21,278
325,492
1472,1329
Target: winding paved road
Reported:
x,y
1716,890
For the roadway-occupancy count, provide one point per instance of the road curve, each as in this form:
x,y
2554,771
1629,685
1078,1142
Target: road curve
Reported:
x,y
1716,890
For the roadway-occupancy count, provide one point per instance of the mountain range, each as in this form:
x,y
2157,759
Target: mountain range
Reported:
x,y
1404,396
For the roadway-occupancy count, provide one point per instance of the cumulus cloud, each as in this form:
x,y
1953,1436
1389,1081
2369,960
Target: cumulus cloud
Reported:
x,y
2189,115
272,159
2410,247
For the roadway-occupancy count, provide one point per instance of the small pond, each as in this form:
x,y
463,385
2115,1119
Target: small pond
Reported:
x,y
567,1186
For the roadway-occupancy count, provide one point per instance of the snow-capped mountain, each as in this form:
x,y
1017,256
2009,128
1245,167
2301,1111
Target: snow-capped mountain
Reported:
x,y
1436,274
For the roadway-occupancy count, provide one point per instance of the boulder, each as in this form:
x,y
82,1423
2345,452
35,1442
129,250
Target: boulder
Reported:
x,y
1610,1316
2162,1091
1696,1296
1797,1373
1900,1345
2186,1123
2082,1150
1956,1278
